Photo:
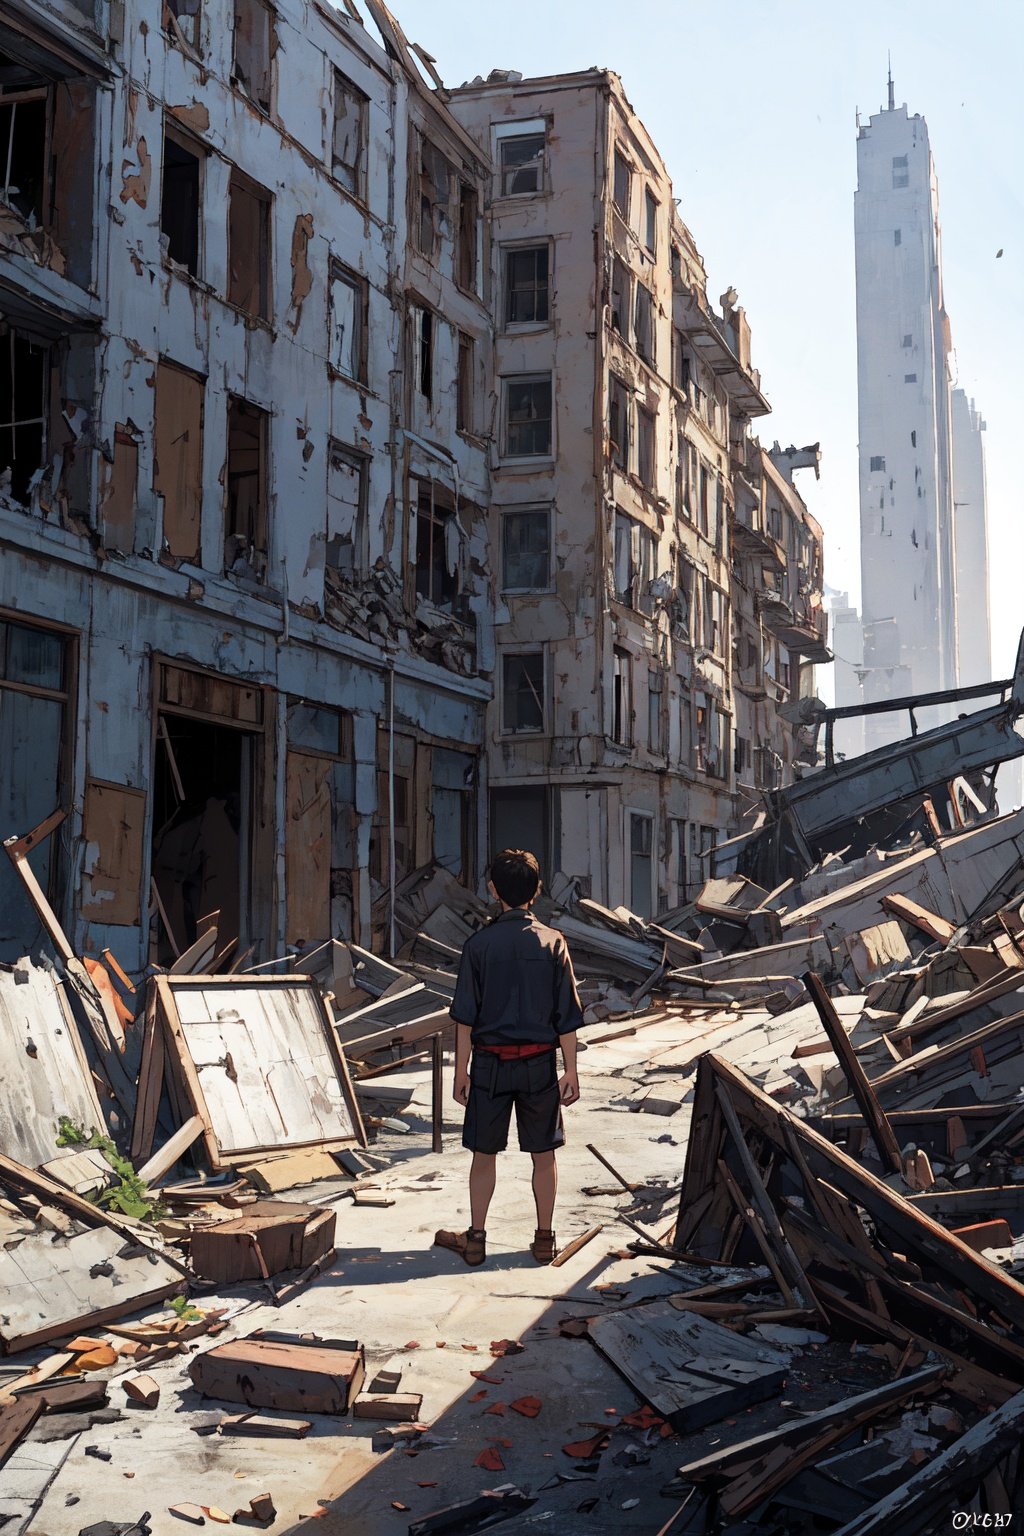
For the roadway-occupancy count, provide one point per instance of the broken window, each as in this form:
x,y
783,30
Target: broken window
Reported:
x,y
522,164
897,237
528,416
255,44
526,286
348,145
641,864
910,378
24,401
623,176
434,195
248,246
622,697
437,550
702,500
526,548
23,148
650,222
644,323
682,864
469,214
423,351
181,21
180,194
346,511
522,692
348,306
621,283
35,677
877,461
656,719
900,171
464,412
645,447
618,421
700,732
178,458
908,340
634,562
245,531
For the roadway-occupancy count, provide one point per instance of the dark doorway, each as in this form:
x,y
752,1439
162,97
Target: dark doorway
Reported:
x,y
202,791
520,819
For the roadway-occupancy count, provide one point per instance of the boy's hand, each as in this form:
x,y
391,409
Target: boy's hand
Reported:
x,y
569,1088
460,1088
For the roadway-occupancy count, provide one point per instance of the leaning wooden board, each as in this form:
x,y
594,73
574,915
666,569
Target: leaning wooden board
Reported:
x,y
691,1370
255,1058
267,1373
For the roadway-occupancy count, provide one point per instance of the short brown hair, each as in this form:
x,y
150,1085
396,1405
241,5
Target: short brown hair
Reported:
x,y
515,875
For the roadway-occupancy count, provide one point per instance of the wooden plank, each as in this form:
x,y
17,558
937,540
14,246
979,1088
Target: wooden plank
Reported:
x,y
1013,981
37,896
161,1162
881,1130
692,1371
263,1373
931,1492
15,1423
936,927
577,1243
263,1425
151,1080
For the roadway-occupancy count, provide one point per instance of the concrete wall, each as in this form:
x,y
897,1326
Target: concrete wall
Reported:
x,y
972,561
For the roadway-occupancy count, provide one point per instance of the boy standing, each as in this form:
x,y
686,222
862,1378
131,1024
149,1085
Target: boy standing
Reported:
x,y
515,1003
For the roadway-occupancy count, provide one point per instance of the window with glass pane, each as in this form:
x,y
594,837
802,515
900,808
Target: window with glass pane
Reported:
x,y
527,551
522,164
347,151
523,692
348,301
526,286
528,416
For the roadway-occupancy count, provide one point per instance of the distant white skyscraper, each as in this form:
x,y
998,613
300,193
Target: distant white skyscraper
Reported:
x,y
971,523
908,559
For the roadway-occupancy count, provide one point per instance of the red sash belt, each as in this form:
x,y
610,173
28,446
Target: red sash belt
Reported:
x,y
514,1052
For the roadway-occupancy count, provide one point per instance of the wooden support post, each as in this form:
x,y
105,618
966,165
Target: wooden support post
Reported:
x,y
881,1130
437,1092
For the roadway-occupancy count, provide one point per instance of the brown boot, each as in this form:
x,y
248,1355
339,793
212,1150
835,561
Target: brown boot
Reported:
x,y
471,1246
544,1248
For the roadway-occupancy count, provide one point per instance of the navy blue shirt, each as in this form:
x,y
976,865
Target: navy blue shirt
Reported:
x,y
516,984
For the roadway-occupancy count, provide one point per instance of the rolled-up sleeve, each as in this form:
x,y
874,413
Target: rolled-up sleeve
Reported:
x,y
465,1008
567,1014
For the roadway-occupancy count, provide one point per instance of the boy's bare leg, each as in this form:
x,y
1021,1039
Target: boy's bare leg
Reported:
x,y
545,1187
481,1187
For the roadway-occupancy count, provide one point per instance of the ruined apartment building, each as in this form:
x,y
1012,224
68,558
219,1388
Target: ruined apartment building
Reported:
x,y
623,403
244,605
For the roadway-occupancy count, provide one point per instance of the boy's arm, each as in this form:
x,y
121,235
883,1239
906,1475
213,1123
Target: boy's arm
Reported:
x,y
569,1086
463,1040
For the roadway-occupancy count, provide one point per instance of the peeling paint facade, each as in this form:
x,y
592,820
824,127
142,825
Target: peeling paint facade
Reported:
x,y
622,411
244,597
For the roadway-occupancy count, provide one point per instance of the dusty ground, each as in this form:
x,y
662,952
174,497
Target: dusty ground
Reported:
x,y
392,1290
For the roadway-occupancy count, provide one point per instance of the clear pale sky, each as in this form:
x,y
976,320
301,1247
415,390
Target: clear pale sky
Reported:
x,y
753,108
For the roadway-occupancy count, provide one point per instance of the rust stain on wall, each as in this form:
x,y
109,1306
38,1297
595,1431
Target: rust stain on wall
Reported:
x,y
135,184
302,277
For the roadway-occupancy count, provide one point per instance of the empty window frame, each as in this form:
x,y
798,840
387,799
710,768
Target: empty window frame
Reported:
x,y
526,550
422,330
24,410
528,416
465,414
522,693
348,143
618,421
877,462
622,178
248,246
900,171
910,378
346,511
622,697
908,340
178,458
181,21
643,327
641,863
897,237
521,163
245,523
645,455
650,222
526,285
434,190
348,307
255,43
469,227
180,203
703,506
622,285
437,550
634,562
24,136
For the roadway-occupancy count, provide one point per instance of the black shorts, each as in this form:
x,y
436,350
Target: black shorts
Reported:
x,y
530,1085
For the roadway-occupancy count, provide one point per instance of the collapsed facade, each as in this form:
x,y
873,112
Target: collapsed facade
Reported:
x,y
325,503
